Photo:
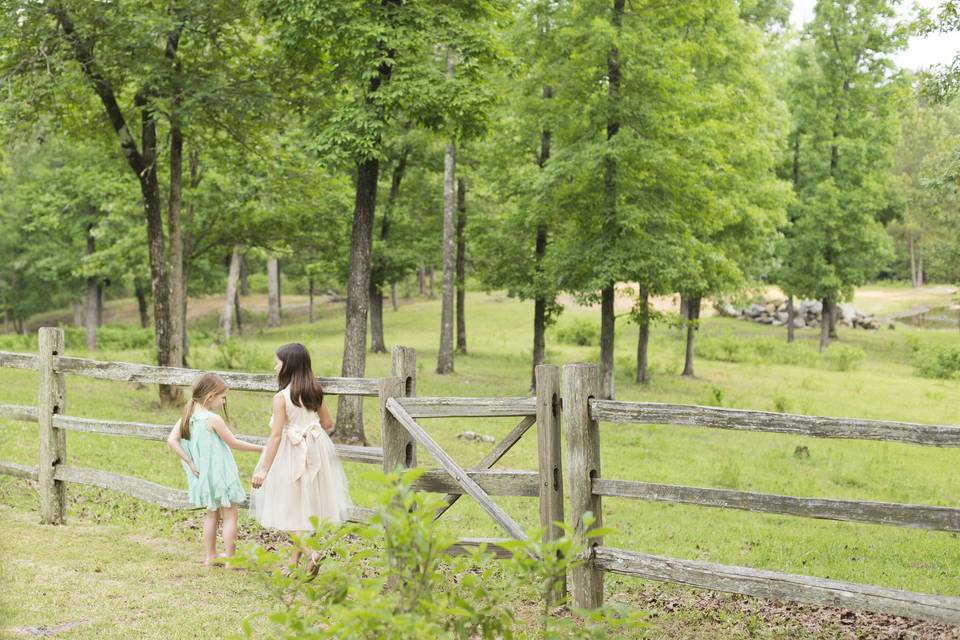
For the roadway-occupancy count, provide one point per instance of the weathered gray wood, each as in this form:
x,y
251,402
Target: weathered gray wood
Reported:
x,y
13,360
465,546
399,448
17,470
780,586
356,453
53,441
142,489
901,515
19,412
743,420
439,407
360,515
144,373
580,385
404,365
494,482
491,458
456,471
550,467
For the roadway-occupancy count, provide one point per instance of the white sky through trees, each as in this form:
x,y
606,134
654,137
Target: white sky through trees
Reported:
x,y
922,51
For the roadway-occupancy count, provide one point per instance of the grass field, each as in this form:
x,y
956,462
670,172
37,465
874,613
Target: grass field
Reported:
x,y
127,544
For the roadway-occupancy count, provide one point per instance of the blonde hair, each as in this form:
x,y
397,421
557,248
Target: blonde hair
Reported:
x,y
204,387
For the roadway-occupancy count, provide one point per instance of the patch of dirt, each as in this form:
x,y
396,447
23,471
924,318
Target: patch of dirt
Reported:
x,y
745,617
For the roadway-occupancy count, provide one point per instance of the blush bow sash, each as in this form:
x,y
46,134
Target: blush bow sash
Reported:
x,y
306,458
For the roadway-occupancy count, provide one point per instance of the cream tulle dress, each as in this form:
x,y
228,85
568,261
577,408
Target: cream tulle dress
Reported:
x,y
305,480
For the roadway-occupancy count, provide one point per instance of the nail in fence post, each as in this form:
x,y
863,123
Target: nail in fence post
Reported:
x,y
548,450
53,441
583,446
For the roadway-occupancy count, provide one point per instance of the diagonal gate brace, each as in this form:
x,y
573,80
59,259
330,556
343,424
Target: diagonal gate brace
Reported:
x,y
456,471
492,458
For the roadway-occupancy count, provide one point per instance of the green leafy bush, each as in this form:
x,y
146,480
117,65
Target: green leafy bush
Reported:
x,y
233,355
938,362
843,357
393,578
579,332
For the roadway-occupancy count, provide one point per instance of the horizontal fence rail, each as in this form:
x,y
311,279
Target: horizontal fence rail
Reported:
x,y
744,420
439,407
779,586
146,431
901,515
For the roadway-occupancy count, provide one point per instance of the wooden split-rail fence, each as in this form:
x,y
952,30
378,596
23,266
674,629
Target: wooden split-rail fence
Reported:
x,y
575,406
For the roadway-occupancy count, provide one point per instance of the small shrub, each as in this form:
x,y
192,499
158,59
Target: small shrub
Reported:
x,y
392,578
582,333
782,404
232,355
843,357
938,362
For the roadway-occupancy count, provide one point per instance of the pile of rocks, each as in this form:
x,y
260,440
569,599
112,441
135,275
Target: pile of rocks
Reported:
x,y
807,313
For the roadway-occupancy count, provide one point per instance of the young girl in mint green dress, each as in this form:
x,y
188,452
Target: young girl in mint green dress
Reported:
x,y
203,441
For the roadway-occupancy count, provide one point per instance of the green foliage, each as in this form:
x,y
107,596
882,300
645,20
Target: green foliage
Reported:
x,y
763,350
234,355
578,332
843,357
938,362
393,578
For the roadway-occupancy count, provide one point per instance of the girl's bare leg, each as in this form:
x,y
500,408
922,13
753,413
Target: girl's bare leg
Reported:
x,y
229,515
210,536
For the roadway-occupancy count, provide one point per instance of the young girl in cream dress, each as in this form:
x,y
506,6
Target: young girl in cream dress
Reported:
x,y
299,475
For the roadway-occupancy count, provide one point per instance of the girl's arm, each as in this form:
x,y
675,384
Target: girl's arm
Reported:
x,y
218,425
326,420
273,442
173,441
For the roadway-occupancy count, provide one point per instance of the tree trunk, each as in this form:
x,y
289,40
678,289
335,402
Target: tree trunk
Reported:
x,y
430,284
643,339
461,266
920,267
445,355
607,318
378,274
176,242
693,317
90,311
422,279
273,292
143,163
607,330
244,277
236,308
195,176
791,316
834,308
540,249
100,303
913,262
310,306
393,295
229,300
350,408
78,308
825,314
377,345
141,295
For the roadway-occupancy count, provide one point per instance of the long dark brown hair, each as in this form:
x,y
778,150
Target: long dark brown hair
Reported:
x,y
296,372
205,387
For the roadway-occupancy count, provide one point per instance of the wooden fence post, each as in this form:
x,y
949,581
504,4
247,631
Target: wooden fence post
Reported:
x,y
53,441
404,365
583,445
550,466
399,447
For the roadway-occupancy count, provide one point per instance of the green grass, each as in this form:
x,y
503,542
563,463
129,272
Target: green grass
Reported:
x,y
884,386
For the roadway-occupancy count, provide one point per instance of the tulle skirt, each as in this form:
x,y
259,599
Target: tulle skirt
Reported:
x,y
305,480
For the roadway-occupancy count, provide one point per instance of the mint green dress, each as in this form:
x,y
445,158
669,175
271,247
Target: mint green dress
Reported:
x,y
218,484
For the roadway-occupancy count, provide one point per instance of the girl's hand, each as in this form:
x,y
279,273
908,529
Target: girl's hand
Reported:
x,y
194,469
258,478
